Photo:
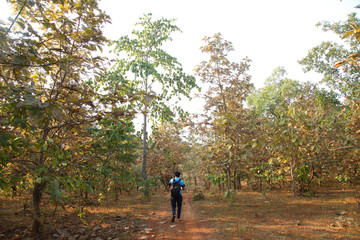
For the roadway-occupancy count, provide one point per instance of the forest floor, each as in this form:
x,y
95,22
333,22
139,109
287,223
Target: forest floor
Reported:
x,y
330,214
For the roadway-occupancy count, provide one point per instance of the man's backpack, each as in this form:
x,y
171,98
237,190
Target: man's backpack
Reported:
x,y
175,191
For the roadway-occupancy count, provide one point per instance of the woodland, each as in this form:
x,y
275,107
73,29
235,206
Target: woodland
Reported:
x,y
68,138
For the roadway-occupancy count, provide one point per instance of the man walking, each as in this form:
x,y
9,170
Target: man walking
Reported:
x,y
176,185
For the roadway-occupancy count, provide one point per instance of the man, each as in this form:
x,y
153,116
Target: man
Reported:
x,y
176,185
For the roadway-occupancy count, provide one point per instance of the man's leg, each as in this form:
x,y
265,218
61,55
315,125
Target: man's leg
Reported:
x,y
173,207
179,204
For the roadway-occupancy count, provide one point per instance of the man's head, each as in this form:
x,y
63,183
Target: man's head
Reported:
x,y
177,174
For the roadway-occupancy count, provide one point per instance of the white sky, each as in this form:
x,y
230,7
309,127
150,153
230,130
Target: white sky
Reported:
x,y
271,33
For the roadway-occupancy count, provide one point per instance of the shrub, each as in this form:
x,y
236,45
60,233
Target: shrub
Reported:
x,y
198,195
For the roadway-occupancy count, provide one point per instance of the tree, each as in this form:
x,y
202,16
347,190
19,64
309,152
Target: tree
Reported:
x,y
167,153
228,87
300,120
278,88
339,66
348,149
48,101
325,57
156,76
279,91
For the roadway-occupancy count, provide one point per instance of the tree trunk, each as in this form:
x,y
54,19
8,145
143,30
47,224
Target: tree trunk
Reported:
x,y
292,168
239,178
116,194
143,167
38,188
228,177
234,180
37,194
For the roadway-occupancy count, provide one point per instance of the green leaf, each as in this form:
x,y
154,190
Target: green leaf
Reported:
x,y
347,34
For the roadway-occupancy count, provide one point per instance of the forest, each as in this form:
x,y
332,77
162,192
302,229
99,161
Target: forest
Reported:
x,y
68,116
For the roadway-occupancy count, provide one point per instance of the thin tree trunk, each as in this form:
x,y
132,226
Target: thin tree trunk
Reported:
x,y
234,180
38,188
239,179
229,178
143,167
116,194
37,194
143,164
292,168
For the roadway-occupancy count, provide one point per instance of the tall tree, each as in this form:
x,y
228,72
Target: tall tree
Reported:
x,y
156,76
299,120
228,87
324,57
350,169
47,102
339,66
278,88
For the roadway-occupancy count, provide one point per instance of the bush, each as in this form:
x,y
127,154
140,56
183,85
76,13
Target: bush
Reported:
x,y
198,195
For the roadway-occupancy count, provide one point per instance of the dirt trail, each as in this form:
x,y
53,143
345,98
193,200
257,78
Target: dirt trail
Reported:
x,y
159,226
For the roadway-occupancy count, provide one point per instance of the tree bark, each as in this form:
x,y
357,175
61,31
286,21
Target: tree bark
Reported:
x,y
234,180
38,189
143,166
228,185
239,179
37,194
292,168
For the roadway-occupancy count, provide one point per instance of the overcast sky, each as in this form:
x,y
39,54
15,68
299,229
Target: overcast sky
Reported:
x,y
271,33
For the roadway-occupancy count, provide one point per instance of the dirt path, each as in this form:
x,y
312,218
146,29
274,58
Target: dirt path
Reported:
x,y
159,226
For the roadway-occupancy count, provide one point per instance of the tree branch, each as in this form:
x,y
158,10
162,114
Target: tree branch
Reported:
x,y
16,18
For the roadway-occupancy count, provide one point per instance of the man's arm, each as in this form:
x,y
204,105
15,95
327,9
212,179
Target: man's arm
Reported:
x,y
182,184
170,182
